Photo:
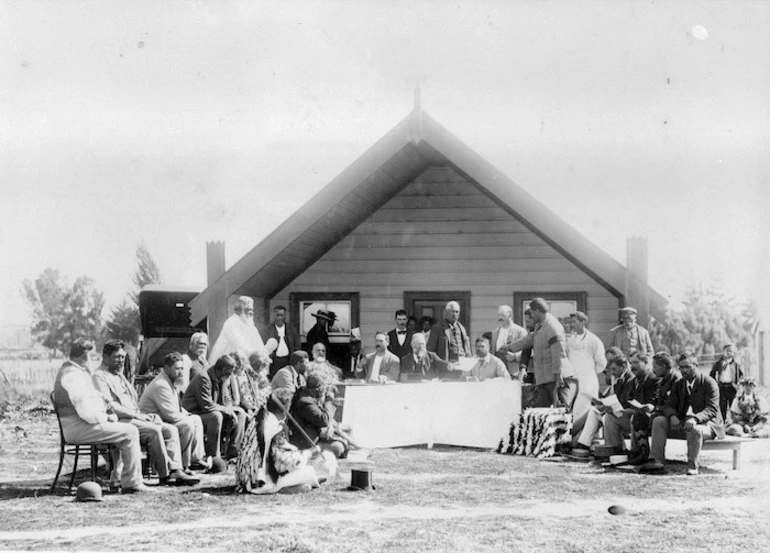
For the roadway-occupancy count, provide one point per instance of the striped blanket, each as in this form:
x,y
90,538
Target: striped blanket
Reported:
x,y
537,432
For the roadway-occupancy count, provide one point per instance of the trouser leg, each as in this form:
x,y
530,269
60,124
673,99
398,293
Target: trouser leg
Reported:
x,y
190,431
212,427
567,392
545,394
151,435
173,446
695,438
124,436
236,432
614,427
590,428
660,429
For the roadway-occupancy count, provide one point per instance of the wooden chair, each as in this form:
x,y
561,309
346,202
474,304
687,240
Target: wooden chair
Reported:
x,y
65,448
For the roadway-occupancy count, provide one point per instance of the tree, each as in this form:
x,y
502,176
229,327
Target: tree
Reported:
x,y
124,322
61,313
708,321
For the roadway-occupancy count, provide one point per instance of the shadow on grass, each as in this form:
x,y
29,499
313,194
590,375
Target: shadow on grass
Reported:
x,y
211,490
21,489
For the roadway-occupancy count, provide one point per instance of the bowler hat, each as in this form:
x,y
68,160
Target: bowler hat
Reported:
x,y
89,491
360,480
323,314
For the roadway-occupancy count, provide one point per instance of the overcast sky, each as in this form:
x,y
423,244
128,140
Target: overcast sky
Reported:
x,y
182,122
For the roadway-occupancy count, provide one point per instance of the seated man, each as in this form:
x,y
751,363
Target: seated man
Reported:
x,y
85,416
692,412
313,414
320,362
623,387
382,365
208,396
422,364
352,361
160,438
160,398
488,366
292,376
644,392
194,360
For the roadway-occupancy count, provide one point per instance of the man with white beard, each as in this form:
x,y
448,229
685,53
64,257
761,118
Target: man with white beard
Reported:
x,y
239,332
507,333
586,353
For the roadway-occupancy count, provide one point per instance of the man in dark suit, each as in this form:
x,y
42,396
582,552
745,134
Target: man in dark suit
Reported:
x,y
421,364
400,337
285,336
313,416
692,412
353,358
727,372
448,338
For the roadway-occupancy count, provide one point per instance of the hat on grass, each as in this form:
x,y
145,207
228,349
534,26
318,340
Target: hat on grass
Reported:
x,y
89,491
360,480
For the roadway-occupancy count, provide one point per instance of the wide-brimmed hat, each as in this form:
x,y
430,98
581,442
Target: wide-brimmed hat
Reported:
x,y
89,491
360,481
322,314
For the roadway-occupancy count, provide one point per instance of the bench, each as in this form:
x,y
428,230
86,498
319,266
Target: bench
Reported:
x,y
728,442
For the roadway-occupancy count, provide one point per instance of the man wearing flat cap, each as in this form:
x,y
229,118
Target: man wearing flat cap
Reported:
x,y
319,334
629,336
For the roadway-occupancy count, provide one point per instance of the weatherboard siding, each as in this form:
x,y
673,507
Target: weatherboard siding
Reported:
x,y
441,233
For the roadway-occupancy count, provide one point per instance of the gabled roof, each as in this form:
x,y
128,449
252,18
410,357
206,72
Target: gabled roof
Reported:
x,y
413,145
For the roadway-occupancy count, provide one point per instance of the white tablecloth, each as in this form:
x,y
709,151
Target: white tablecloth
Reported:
x,y
472,414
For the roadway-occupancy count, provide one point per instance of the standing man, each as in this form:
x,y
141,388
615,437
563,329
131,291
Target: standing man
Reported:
x,y
426,323
692,412
727,372
160,398
554,375
239,332
448,338
160,438
506,333
286,336
629,336
87,418
586,354
319,333
488,366
400,338
382,365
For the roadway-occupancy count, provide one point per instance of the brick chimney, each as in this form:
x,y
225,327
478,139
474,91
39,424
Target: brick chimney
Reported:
x,y
215,261
636,256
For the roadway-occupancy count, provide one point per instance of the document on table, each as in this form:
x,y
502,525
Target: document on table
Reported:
x,y
466,363
614,405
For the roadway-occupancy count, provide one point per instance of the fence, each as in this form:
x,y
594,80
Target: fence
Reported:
x,y
28,374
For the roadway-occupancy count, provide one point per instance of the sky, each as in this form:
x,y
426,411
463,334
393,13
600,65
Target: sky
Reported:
x,y
177,123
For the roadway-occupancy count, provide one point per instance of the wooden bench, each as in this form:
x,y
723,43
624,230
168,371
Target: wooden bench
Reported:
x,y
728,442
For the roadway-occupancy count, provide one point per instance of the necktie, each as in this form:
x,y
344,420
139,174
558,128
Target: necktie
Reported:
x,y
401,332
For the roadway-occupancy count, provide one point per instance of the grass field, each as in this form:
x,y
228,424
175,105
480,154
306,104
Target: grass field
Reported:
x,y
445,499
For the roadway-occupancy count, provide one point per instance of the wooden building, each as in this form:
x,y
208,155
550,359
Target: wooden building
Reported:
x,y
417,220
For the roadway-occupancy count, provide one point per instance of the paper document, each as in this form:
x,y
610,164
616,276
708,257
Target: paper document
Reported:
x,y
466,363
614,405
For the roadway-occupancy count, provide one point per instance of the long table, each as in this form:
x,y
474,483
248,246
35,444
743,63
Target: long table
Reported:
x,y
471,414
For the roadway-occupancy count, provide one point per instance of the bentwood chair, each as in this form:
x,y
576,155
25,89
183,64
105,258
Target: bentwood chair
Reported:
x,y
65,448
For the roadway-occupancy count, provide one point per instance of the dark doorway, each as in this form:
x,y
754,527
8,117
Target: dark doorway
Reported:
x,y
431,304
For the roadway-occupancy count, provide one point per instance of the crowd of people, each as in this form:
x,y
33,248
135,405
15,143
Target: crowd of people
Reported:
x,y
270,408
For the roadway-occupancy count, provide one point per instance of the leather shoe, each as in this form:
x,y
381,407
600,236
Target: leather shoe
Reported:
x,y
141,488
181,479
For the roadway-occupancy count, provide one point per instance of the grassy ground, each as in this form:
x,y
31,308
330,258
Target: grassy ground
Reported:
x,y
426,500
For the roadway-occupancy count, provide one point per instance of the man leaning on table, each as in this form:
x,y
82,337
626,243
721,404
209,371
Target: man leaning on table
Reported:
x,y
488,366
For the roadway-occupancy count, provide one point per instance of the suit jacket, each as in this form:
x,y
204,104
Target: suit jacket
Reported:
x,y
203,395
161,398
310,416
720,366
118,390
666,385
441,337
513,334
390,366
430,366
291,337
643,341
397,350
350,365
624,388
703,398
288,378
646,389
